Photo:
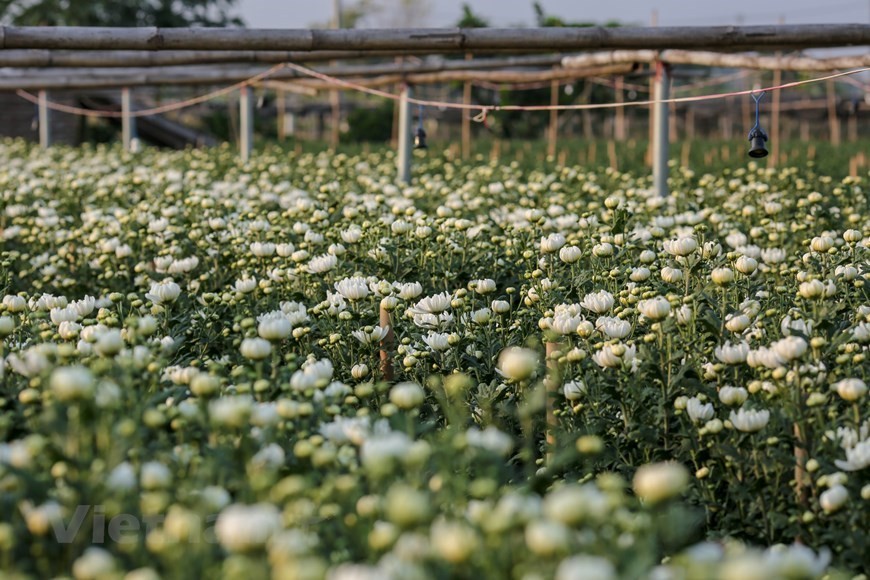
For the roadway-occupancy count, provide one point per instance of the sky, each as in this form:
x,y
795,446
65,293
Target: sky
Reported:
x,y
305,13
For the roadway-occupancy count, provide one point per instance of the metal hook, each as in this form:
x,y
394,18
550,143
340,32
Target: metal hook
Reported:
x,y
757,105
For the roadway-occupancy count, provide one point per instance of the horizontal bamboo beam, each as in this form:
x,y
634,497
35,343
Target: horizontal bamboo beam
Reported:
x,y
35,58
429,65
512,77
785,63
716,59
435,39
148,77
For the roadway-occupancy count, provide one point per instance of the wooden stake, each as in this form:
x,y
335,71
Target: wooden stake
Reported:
x,y
774,120
386,346
128,123
833,121
281,103
44,121
685,151
611,155
466,116
552,382
619,121
553,132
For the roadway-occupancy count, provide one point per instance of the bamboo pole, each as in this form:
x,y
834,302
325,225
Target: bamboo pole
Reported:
x,y
386,345
619,121
281,103
776,99
403,159
128,123
660,141
27,58
833,121
466,118
553,132
437,39
719,60
44,121
552,382
246,123
148,77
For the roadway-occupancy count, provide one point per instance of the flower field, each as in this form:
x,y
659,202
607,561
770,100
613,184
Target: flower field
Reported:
x,y
297,368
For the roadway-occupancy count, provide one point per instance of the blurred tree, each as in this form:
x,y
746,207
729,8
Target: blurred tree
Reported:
x,y
164,13
549,21
470,19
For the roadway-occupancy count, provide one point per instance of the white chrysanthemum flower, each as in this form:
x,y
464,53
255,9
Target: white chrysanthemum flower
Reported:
x,y
570,254
699,411
355,288
490,439
437,341
615,355
322,264
164,292
574,390
245,285
613,327
255,348
243,528
654,308
517,363
598,302
433,304
408,291
733,396
552,243
484,286
656,482
749,420
681,246
371,334
850,389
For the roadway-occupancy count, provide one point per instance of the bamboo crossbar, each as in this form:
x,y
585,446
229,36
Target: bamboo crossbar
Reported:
x,y
216,77
435,39
39,58
716,59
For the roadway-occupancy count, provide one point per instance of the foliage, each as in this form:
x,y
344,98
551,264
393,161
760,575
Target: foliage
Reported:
x,y
162,13
195,342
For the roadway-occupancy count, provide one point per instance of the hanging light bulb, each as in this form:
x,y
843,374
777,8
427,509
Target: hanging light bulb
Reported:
x,y
420,139
757,136
420,133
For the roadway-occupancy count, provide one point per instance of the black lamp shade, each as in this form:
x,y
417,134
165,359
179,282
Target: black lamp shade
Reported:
x,y
757,139
420,139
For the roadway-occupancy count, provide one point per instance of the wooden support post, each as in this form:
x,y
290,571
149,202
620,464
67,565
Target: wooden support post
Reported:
x,y
466,120
833,121
553,132
246,123
403,159
335,124
619,122
552,383
690,122
44,121
773,159
386,345
466,116
612,158
128,122
587,114
281,104
660,140
852,125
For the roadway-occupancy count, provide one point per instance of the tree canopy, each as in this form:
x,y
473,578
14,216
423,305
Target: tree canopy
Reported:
x,y
164,13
